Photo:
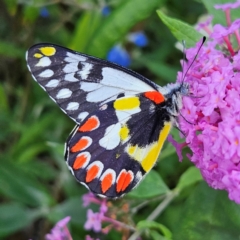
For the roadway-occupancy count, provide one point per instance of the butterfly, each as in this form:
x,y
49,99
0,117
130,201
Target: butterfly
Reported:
x,y
122,118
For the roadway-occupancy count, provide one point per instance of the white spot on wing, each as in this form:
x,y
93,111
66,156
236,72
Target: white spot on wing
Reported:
x,y
103,93
52,83
71,67
47,73
102,196
138,176
111,137
123,116
44,62
73,57
113,83
88,86
64,93
70,77
82,115
84,72
122,80
72,106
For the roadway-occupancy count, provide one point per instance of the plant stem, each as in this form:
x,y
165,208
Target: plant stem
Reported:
x,y
157,211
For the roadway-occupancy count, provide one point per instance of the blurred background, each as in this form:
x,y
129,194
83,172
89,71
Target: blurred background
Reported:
x,y
36,188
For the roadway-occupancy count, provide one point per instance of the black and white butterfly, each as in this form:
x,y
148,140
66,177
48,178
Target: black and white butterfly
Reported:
x,y
122,119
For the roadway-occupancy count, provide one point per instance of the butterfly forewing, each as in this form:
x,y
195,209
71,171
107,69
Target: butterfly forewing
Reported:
x,y
78,83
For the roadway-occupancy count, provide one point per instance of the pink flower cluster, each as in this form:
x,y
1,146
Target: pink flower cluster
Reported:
x,y
60,231
94,220
211,114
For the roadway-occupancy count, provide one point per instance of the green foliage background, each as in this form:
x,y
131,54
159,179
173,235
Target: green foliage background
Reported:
x,y
36,188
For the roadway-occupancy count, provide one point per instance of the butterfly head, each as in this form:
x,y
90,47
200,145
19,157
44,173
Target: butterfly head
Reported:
x,y
173,94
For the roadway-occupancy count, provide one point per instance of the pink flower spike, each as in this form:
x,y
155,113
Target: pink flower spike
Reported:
x,y
89,198
178,146
103,207
205,25
214,136
226,6
90,238
94,221
60,231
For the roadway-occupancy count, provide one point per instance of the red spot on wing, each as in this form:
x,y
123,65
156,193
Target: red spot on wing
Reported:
x,y
154,96
124,179
80,160
107,182
80,145
91,124
92,173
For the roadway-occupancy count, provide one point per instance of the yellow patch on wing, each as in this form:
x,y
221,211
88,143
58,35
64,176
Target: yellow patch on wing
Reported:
x,y
136,152
147,156
152,155
48,51
124,133
131,150
38,55
126,103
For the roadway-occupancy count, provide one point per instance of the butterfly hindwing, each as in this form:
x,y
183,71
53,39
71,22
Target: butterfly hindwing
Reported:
x,y
79,83
107,151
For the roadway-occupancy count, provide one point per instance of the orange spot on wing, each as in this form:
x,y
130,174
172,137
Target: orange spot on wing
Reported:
x,y
124,180
79,161
80,145
92,173
107,182
91,124
154,96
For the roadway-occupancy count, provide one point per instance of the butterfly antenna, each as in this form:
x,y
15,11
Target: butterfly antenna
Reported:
x,y
184,58
184,50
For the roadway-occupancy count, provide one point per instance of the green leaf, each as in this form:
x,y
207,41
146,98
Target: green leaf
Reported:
x,y
32,132
71,207
15,216
3,100
145,224
11,6
181,30
118,23
85,26
189,177
31,14
161,69
156,236
29,153
208,214
152,185
218,14
9,49
17,184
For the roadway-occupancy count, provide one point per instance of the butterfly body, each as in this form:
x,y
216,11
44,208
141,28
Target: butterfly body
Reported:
x,y
122,118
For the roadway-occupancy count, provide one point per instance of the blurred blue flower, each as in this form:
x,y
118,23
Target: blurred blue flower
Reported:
x,y
119,55
106,10
44,12
138,38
